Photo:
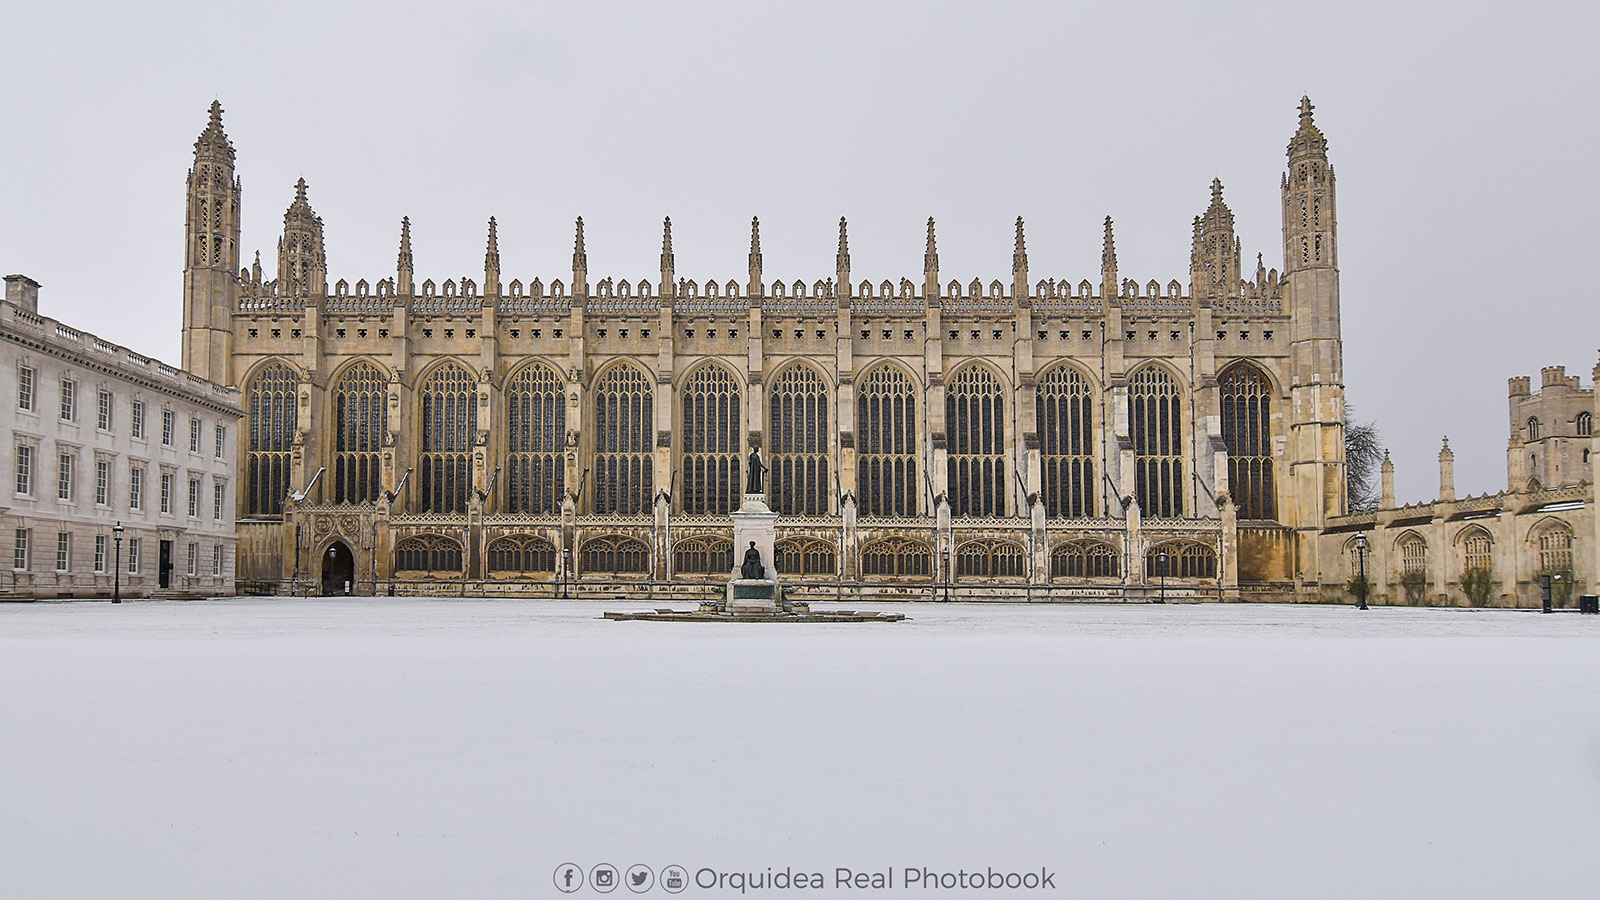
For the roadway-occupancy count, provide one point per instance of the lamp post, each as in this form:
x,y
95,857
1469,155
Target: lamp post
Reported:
x,y
1361,560
1161,564
566,569
947,574
116,565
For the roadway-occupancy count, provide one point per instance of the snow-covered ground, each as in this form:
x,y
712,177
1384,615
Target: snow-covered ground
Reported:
x,y
384,748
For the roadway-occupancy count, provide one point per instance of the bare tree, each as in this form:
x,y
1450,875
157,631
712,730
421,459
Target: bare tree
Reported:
x,y
1363,453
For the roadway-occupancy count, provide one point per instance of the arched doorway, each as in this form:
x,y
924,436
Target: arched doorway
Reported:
x,y
338,570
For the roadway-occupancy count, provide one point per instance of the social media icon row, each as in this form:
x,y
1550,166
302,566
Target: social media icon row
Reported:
x,y
604,878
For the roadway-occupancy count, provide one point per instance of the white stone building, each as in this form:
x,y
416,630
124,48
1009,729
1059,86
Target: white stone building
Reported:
x,y
98,435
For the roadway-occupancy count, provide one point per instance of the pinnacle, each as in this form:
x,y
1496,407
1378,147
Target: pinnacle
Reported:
x,y
300,190
1306,108
1216,190
216,113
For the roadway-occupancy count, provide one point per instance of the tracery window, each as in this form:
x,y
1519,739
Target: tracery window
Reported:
x,y
1157,417
623,466
616,554
1065,418
990,559
360,417
1555,551
273,409
1084,559
799,425
1413,555
427,553
1478,551
703,556
1182,559
896,557
1247,433
805,556
536,417
1535,430
449,400
974,410
522,553
1585,424
887,443
711,442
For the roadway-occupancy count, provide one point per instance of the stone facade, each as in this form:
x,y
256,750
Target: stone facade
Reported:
x,y
98,435
1037,437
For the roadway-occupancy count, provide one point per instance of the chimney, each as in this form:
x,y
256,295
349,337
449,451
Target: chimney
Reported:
x,y
23,291
1447,473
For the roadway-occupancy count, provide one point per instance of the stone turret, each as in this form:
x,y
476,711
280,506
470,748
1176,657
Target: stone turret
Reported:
x,y
491,264
842,262
403,266
1019,264
1108,263
930,265
302,261
755,288
580,265
1387,471
1447,473
669,278
211,254
1214,258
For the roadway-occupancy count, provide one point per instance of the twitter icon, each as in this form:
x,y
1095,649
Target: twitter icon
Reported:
x,y
639,878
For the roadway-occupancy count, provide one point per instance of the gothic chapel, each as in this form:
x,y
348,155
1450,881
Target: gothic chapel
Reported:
x,y
1034,438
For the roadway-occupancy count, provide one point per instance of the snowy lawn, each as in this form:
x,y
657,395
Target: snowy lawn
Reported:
x,y
354,748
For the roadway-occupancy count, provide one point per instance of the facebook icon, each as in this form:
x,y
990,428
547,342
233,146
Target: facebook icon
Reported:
x,y
568,878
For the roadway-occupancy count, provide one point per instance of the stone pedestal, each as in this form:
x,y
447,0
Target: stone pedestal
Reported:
x,y
754,522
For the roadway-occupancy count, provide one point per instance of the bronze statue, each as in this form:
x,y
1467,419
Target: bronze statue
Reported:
x,y
752,567
753,484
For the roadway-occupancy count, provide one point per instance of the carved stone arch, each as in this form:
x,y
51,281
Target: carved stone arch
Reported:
x,y
1044,289
341,288
536,425
1184,559
1246,396
712,290
362,288
819,289
1065,408
865,289
557,289
889,399
691,289
1174,289
996,289
799,399
622,409
520,554
271,425
469,288
644,288
710,417
778,290
731,289
703,554
1156,421
516,289
987,558
799,288
886,289
624,289
975,289
907,289
428,288
445,412
975,417
896,558
1085,558
448,288
953,289
1085,289
805,557
614,554
432,553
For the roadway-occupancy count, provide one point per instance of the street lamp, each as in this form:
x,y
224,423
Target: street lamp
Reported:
x,y
116,566
947,574
1161,565
1361,559
566,569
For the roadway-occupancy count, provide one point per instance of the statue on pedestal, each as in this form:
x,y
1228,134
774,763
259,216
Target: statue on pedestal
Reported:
x,y
757,469
752,568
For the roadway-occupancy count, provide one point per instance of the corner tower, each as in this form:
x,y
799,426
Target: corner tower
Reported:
x,y
302,263
211,255
1311,292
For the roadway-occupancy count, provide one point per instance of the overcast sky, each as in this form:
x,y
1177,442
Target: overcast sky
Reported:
x,y
1464,136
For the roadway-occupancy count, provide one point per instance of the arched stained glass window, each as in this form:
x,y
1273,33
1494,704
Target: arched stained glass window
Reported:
x,y
703,556
974,414
1247,433
1477,551
1555,550
272,399
427,553
536,419
1181,559
711,442
1064,411
449,400
360,417
1157,424
1084,559
1413,555
805,556
521,553
615,554
624,470
886,439
799,426
990,559
895,558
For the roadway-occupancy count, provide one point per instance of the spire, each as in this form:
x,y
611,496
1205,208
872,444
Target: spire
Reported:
x,y
842,261
211,253
1019,265
668,265
754,288
302,261
213,142
1308,140
491,264
930,265
1309,222
1214,259
403,265
255,269
1447,472
1387,472
1108,264
580,264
